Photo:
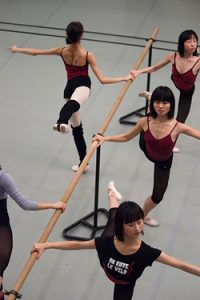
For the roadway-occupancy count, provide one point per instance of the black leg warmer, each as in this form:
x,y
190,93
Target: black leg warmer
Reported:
x,y
79,141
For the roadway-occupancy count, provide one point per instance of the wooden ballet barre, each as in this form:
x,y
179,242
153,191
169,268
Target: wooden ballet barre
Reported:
x,y
128,83
44,236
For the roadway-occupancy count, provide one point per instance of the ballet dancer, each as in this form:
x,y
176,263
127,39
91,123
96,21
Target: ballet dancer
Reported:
x,y
77,61
185,67
122,253
9,188
158,132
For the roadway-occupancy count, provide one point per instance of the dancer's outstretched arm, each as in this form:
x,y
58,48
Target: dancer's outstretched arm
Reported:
x,y
168,59
124,137
33,51
68,245
100,76
179,264
185,129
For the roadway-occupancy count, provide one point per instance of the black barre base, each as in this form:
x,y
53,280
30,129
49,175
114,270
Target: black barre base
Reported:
x,y
141,112
85,222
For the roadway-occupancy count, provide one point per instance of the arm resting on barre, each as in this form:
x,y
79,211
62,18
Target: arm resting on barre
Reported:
x,y
68,245
124,137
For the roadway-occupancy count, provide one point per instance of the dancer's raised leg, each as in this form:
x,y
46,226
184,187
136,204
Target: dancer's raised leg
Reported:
x,y
113,198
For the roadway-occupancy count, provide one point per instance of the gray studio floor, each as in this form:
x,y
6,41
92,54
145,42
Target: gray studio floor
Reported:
x,y
40,160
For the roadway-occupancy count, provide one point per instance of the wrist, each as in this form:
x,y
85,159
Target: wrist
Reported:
x,y
46,245
101,134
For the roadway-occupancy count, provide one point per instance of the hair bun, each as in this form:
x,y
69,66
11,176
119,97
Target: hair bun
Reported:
x,y
69,40
73,37
74,32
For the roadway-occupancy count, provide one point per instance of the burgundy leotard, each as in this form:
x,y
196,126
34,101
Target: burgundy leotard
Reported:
x,y
76,71
158,149
183,81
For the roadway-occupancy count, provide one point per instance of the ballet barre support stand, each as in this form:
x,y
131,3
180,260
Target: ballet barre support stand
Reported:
x,y
140,112
90,221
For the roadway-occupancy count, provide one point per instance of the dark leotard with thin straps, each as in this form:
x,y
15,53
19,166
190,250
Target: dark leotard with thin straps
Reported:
x,y
183,81
75,71
158,149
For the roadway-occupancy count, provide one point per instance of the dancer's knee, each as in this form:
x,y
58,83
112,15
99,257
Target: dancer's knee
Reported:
x,y
74,104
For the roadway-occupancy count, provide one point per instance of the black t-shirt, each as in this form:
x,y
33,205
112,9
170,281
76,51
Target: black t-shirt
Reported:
x,y
124,269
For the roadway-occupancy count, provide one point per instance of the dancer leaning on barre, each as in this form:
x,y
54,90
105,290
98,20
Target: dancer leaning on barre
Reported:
x,y
122,254
9,188
76,60
158,135
185,67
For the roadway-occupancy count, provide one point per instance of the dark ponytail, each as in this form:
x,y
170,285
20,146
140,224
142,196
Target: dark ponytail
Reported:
x,y
74,32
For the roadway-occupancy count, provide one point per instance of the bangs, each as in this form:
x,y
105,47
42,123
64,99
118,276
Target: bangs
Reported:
x,y
131,212
130,218
162,93
127,212
189,34
158,95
